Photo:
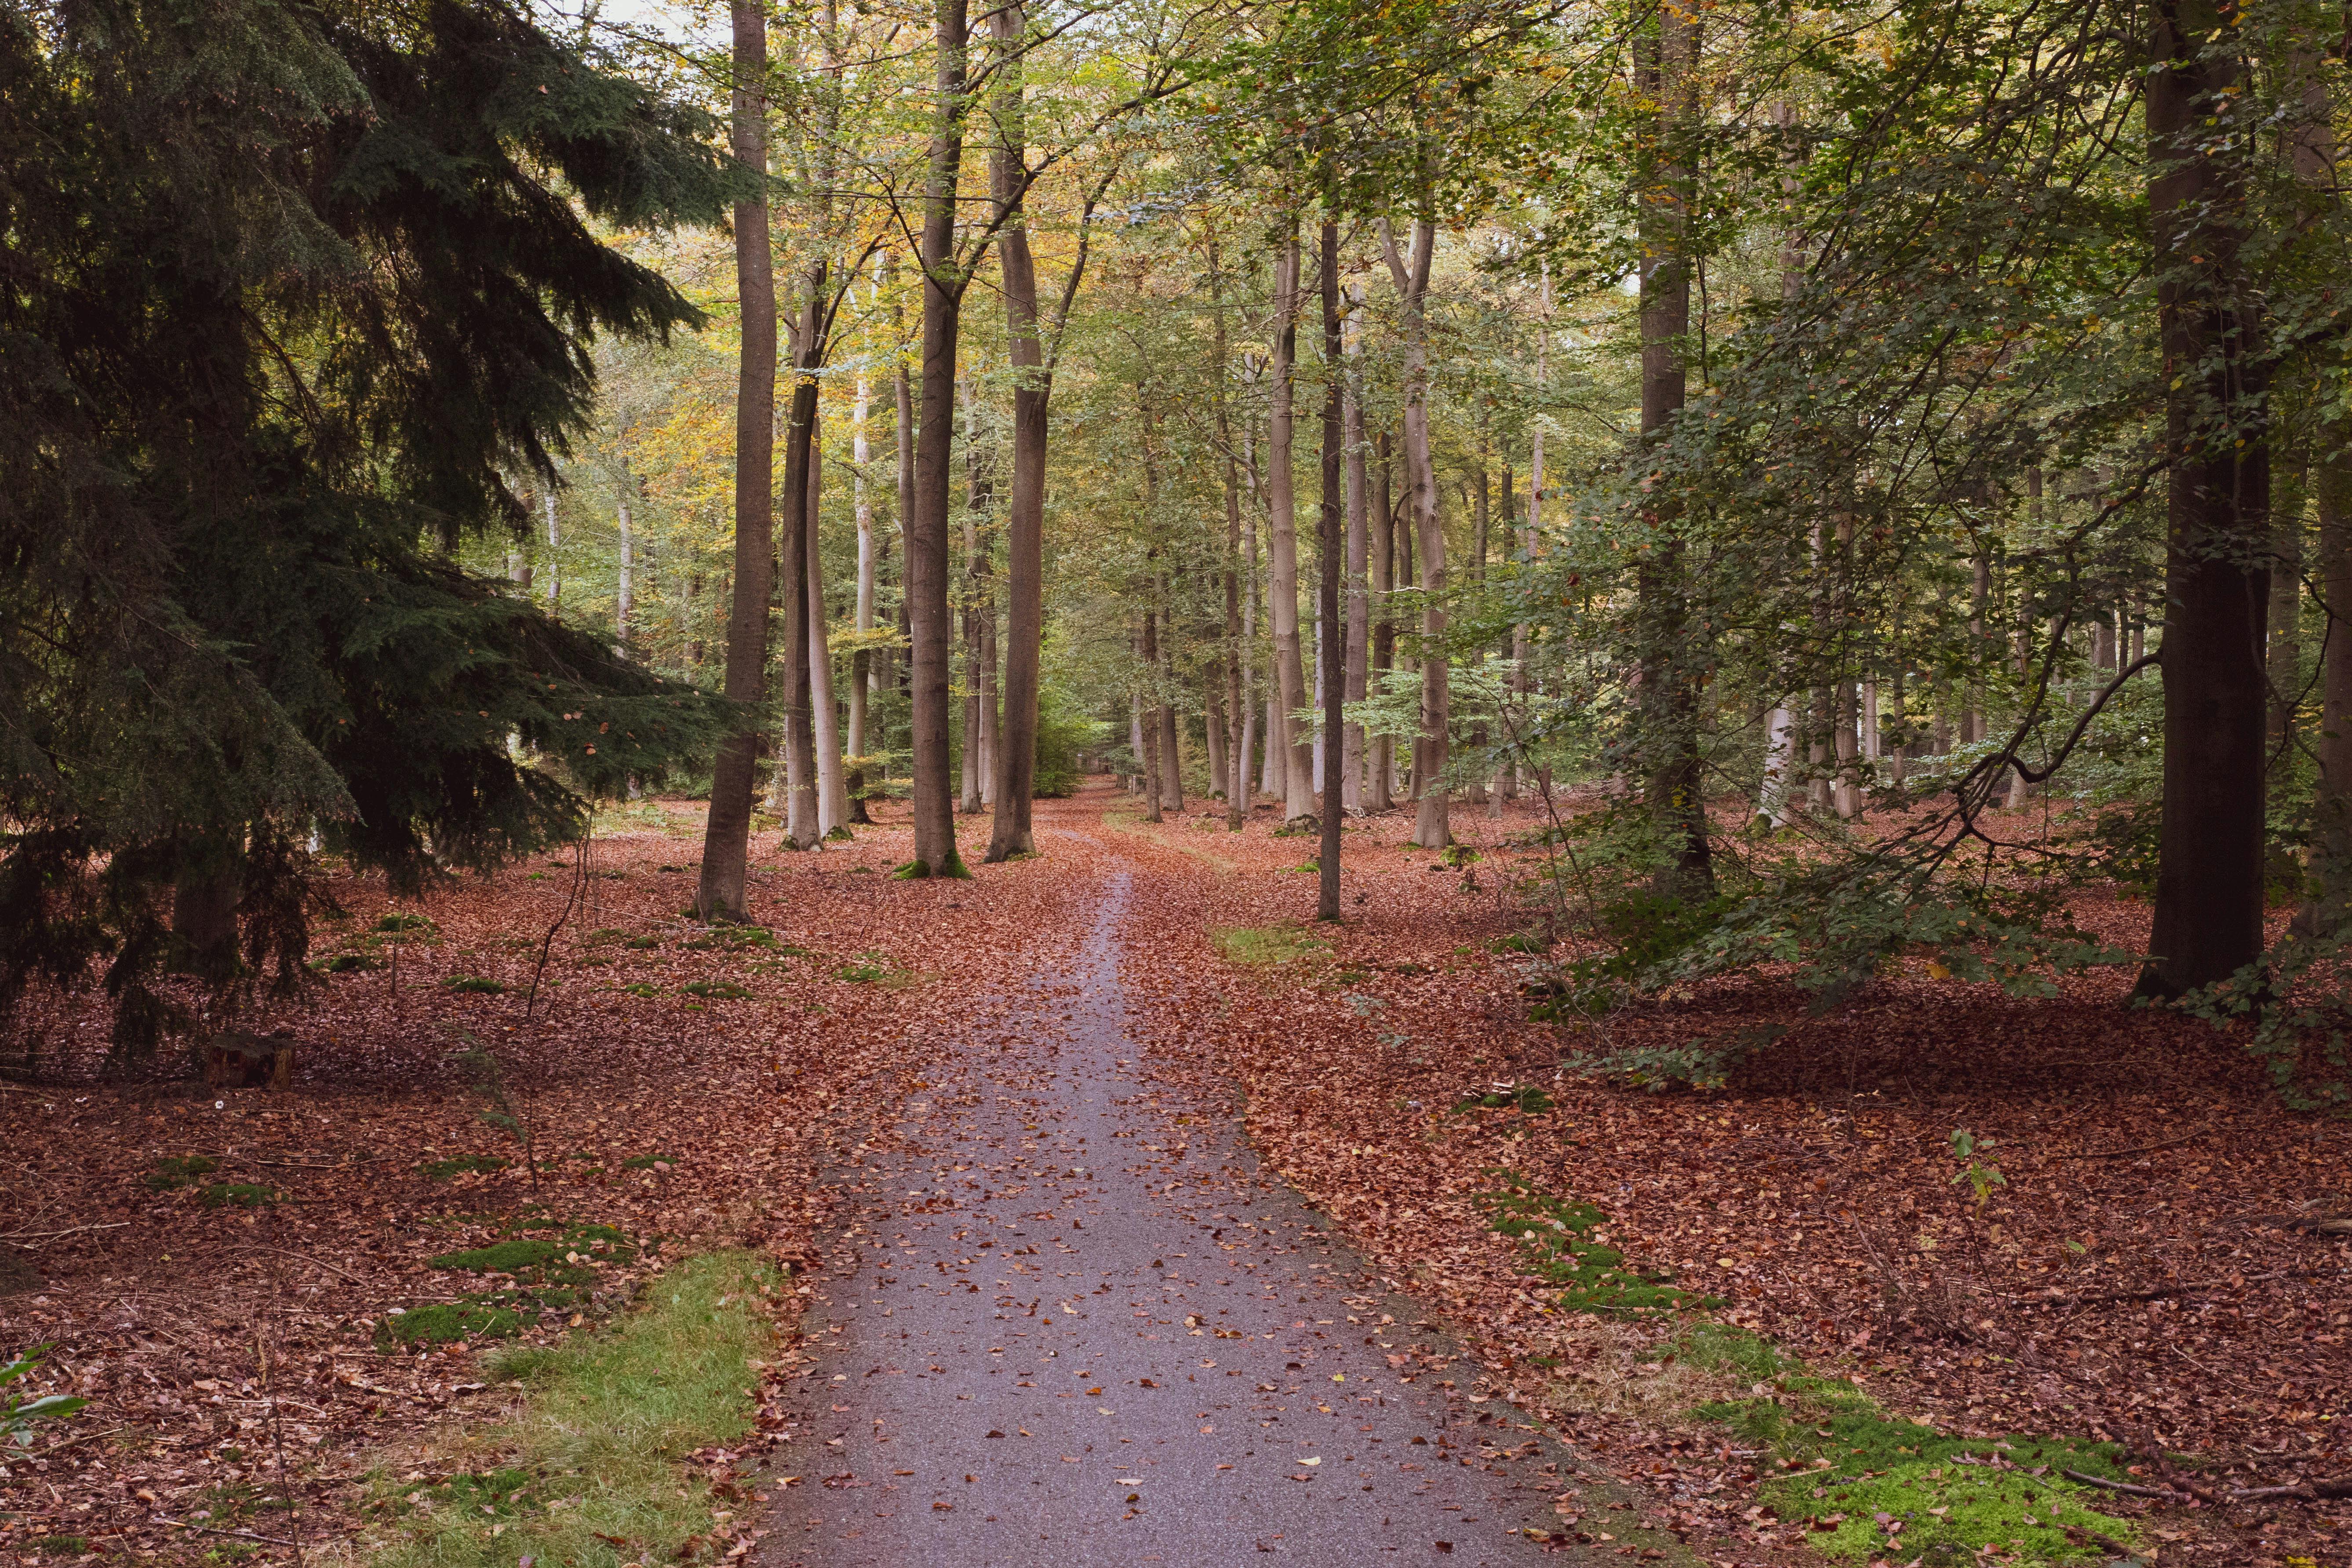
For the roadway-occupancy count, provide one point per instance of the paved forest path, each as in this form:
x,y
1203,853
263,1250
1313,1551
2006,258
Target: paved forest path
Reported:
x,y
1063,1319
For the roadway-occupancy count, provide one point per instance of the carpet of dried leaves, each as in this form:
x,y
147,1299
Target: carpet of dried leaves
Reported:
x,y
2125,1282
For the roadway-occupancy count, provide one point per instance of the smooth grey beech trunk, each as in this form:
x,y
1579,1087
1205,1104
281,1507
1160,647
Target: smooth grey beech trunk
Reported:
x,y
1409,269
1282,548
930,622
727,829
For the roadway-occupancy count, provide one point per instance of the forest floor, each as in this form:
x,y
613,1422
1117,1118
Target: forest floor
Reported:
x,y
2146,1297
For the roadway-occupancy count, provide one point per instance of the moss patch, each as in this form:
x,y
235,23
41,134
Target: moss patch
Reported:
x,y
239,1194
442,1170
717,990
446,1323
179,1170
1260,946
1556,1243
556,1272
1874,1485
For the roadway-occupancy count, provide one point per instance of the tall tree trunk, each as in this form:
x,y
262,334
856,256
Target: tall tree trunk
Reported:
x,y
1250,586
2331,837
625,586
931,623
1507,782
1973,727
1382,546
2285,648
1358,616
1235,663
832,788
1172,778
861,660
1670,677
1213,724
804,827
1290,672
554,543
727,829
977,497
1410,270
1333,545
898,666
1147,719
2209,887
2330,479
1025,524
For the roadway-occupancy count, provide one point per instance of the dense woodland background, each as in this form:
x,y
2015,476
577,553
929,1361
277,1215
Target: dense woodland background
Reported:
x,y
1901,452
1797,558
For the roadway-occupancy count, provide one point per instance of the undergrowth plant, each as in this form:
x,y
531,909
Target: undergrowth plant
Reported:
x,y
592,1472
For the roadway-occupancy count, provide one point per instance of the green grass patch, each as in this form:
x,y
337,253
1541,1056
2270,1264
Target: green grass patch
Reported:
x,y
642,989
1556,1244
239,1194
1523,1097
1871,1485
179,1170
1261,945
474,984
873,968
607,1422
349,963
446,1323
419,923
642,943
442,1170
555,1272
733,939
715,990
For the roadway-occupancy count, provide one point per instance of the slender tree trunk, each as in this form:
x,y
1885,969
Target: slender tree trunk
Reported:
x,y
1250,734
727,829
2285,650
2331,857
1410,271
1507,782
1382,546
1972,719
2330,479
1235,663
1670,676
624,588
2209,890
832,788
1212,725
976,500
554,560
1358,616
804,827
1298,800
1025,524
1334,519
1172,784
861,660
1148,720
932,622
898,667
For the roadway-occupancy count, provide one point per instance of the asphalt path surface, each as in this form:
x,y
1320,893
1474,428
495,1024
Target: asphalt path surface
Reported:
x,y
1062,1319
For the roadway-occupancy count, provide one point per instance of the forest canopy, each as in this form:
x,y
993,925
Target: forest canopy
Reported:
x,y
1889,463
